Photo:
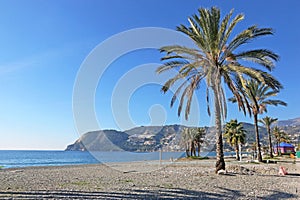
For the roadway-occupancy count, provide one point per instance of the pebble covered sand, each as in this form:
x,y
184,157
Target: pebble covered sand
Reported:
x,y
142,180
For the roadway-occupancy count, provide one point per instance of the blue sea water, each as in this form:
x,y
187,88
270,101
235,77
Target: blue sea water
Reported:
x,y
17,158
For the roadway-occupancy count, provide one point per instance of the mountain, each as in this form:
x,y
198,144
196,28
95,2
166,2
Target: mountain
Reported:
x,y
106,140
289,122
139,139
144,138
292,128
168,138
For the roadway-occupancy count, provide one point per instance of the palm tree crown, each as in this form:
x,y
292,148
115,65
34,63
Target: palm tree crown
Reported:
x,y
268,121
256,97
235,134
216,59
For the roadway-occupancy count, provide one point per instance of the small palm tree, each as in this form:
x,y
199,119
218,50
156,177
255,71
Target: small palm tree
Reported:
x,y
280,136
256,98
199,138
267,122
192,138
216,59
235,135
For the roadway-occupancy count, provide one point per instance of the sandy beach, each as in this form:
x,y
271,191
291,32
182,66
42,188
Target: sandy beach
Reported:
x,y
177,180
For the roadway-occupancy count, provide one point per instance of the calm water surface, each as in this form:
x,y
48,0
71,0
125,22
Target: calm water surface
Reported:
x,y
16,158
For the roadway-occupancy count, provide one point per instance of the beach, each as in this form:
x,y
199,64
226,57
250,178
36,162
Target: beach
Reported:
x,y
152,180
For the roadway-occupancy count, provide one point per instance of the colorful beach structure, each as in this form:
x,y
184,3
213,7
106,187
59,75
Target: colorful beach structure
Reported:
x,y
284,148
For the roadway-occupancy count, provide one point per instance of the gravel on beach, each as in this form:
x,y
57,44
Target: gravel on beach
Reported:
x,y
138,180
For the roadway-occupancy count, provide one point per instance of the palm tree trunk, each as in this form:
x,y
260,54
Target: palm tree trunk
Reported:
x,y
259,158
254,149
220,163
198,149
278,153
270,143
237,151
187,149
191,148
194,149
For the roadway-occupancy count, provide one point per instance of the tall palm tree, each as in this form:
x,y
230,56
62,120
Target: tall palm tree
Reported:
x,y
256,98
267,122
235,135
217,60
280,136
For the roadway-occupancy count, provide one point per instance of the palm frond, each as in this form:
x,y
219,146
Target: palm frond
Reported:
x,y
262,57
193,86
171,65
247,35
179,50
177,92
275,102
232,24
171,82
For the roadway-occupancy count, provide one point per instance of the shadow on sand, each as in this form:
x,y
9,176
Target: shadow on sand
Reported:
x,y
160,193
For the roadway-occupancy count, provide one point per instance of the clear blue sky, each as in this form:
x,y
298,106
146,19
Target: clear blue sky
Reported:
x,y
43,44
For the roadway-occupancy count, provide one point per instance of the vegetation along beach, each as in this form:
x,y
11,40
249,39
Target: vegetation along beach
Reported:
x,y
149,100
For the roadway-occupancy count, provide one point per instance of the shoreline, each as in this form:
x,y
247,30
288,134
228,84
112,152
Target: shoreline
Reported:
x,y
60,159
160,163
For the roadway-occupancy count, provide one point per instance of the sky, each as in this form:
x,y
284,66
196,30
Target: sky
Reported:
x,y
44,46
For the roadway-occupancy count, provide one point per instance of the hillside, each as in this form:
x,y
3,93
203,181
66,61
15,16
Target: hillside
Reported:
x,y
144,138
168,138
289,122
106,140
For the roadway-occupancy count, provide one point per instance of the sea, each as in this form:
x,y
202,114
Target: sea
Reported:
x,y
26,158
